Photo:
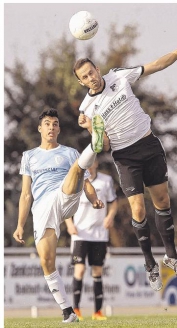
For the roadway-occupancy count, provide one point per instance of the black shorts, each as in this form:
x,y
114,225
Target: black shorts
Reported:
x,y
95,251
143,163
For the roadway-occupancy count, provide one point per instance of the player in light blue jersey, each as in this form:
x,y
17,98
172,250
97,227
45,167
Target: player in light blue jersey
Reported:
x,y
53,176
137,153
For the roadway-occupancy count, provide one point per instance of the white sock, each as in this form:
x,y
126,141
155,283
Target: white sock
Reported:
x,y
57,289
87,158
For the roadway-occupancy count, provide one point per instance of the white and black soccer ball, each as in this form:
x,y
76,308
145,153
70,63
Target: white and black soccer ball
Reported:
x,y
83,25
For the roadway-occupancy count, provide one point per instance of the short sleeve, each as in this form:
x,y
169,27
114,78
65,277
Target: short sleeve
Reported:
x,y
132,74
25,168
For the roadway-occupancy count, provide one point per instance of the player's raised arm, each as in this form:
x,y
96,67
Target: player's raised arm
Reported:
x,y
160,63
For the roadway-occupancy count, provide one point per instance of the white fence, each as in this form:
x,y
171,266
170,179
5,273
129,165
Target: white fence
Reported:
x,y
125,280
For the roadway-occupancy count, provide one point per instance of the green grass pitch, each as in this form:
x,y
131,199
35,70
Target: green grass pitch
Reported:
x,y
158,321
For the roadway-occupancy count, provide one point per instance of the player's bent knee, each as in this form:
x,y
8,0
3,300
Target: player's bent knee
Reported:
x,y
138,213
47,264
162,202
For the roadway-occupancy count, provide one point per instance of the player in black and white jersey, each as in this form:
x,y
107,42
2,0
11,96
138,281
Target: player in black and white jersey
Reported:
x,y
53,179
138,154
89,230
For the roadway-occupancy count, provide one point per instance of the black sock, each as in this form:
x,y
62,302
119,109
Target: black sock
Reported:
x,y
77,288
142,233
98,292
165,225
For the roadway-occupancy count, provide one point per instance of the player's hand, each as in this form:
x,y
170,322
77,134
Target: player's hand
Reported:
x,y
98,204
85,122
18,235
72,230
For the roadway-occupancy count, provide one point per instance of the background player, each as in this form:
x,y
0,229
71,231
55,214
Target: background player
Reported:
x,y
89,232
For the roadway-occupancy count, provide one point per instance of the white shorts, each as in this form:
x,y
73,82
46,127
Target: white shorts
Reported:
x,y
52,210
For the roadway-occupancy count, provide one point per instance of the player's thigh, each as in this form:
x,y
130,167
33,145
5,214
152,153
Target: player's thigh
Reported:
x,y
67,205
48,243
46,248
74,180
97,253
155,166
80,251
130,176
160,195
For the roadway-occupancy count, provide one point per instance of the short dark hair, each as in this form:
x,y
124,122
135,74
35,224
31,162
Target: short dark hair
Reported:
x,y
80,63
48,112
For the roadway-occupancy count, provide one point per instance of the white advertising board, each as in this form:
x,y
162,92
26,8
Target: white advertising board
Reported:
x,y
125,283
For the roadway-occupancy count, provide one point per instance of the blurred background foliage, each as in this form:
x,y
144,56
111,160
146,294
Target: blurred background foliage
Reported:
x,y
54,85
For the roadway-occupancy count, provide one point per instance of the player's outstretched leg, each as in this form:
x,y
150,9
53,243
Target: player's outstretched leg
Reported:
x,y
97,133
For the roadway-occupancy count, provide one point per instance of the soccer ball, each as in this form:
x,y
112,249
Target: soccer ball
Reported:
x,y
83,25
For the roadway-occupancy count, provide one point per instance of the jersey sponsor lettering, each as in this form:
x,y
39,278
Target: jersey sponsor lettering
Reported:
x,y
108,111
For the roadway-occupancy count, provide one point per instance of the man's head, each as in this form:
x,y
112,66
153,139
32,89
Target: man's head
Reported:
x,y
80,63
49,127
88,74
48,112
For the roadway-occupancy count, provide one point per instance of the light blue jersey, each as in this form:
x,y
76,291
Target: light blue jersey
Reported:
x,y
47,168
